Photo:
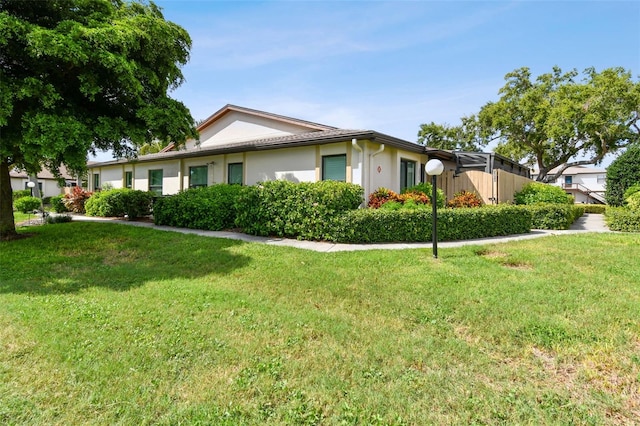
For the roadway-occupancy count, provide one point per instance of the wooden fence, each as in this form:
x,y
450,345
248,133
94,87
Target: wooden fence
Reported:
x,y
495,188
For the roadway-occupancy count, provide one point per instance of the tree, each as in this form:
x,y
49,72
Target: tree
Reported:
x,y
623,173
77,76
465,137
151,147
554,121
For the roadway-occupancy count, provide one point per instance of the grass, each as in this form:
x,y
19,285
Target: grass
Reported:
x,y
109,324
19,217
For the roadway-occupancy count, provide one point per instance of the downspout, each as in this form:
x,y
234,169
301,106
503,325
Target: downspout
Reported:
x,y
354,144
373,154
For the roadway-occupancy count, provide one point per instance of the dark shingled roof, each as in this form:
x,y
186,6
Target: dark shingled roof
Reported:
x,y
289,141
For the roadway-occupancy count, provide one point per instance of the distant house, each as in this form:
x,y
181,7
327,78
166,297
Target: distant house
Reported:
x,y
47,182
586,184
245,146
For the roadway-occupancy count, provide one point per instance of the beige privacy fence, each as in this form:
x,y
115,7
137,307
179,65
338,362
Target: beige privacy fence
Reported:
x,y
494,188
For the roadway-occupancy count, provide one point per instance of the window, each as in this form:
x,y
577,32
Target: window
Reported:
x,y
128,179
198,176
96,182
602,179
234,173
407,174
334,167
568,180
155,181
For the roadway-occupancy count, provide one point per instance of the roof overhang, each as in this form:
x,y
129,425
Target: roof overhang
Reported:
x,y
289,141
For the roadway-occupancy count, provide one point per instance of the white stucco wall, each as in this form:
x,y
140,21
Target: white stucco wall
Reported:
x,y
369,168
236,126
50,187
292,164
112,176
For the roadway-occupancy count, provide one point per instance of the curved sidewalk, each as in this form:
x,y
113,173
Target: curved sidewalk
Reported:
x,y
587,223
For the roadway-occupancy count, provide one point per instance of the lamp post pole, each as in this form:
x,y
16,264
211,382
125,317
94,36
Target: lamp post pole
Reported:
x,y
434,168
434,214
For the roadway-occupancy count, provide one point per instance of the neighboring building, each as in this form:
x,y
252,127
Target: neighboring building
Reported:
x,y
245,146
48,183
586,184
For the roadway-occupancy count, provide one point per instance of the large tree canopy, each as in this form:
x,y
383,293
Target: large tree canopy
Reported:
x,y
78,76
556,121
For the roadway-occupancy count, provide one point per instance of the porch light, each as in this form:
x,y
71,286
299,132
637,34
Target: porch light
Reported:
x,y
434,168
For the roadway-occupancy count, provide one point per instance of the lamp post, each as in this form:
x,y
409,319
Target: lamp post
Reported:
x,y
434,168
31,184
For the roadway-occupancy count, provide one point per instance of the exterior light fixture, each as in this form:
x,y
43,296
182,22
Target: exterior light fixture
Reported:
x,y
434,168
31,185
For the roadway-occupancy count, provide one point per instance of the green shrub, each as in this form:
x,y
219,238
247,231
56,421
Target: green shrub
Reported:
x,y
594,208
392,205
27,204
119,203
631,190
387,225
538,192
300,210
57,204
553,216
622,173
21,193
427,189
623,219
211,208
633,201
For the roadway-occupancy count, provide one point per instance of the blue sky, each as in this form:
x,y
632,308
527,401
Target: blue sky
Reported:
x,y
388,65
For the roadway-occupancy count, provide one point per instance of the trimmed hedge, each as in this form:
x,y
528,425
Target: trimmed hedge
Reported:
x,y
387,226
298,210
553,216
538,192
623,219
595,208
119,203
211,208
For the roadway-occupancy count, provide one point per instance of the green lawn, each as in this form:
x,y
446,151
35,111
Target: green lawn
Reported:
x,y
110,324
21,217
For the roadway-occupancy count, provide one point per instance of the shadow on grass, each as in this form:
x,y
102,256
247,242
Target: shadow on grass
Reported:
x,y
67,258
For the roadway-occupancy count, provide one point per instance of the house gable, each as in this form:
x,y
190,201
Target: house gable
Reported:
x,y
234,124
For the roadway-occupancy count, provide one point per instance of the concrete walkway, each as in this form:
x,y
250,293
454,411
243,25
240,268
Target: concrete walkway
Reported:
x,y
587,223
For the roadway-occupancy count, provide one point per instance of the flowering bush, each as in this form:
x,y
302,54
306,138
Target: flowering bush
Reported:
x,y
416,197
465,199
74,202
380,196
426,189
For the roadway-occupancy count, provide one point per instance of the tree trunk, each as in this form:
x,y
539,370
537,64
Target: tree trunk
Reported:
x,y
7,224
